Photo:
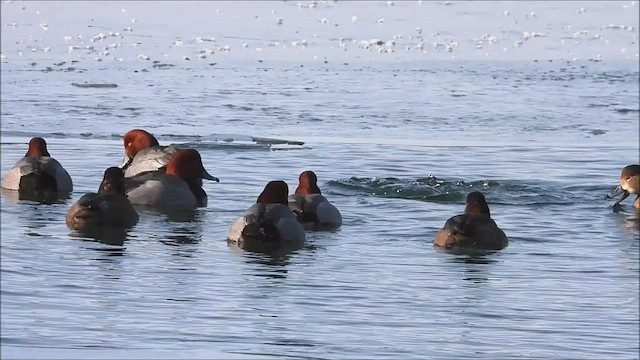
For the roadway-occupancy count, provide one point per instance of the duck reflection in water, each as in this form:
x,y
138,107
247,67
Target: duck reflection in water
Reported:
x,y
107,236
275,259
629,222
36,215
168,214
184,234
628,218
182,226
46,198
474,263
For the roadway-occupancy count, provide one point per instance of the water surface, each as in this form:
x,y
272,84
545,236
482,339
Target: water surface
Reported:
x,y
397,138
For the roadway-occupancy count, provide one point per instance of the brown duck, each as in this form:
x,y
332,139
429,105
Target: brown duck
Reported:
x,y
473,229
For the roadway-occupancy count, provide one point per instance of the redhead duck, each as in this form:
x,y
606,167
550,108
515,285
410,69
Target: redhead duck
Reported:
x,y
180,187
312,209
142,152
109,207
629,184
269,220
37,172
474,228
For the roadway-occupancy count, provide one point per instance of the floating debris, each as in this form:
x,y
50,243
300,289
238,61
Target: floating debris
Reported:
x,y
261,140
95,85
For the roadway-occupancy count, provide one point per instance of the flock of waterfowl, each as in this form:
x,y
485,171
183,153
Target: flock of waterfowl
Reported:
x,y
166,177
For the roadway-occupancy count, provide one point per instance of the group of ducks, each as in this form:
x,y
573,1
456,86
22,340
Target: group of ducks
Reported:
x,y
167,177
170,178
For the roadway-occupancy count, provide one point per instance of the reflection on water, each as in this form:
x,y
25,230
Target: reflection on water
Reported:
x,y
105,235
469,255
179,226
45,198
272,249
186,236
37,216
174,215
628,220
477,263
177,235
274,258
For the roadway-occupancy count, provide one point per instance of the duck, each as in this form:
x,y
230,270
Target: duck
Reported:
x,y
38,173
109,207
312,209
269,221
142,152
473,229
629,184
180,187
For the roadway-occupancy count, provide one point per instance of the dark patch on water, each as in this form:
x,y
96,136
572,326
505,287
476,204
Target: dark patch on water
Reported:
x,y
238,107
626,110
163,66
597,132
95,85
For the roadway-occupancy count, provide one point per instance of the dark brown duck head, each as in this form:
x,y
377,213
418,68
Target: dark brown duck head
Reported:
x,y
113,181
37,147
276,192
476,204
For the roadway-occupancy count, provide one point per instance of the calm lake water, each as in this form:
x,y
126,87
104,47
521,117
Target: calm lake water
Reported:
x,y
403,108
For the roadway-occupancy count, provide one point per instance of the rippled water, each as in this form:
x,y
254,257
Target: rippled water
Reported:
x,y
397,140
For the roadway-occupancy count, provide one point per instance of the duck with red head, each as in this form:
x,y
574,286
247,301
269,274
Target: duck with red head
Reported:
x,y
473,229
629,184
179,188
109,207
142,152
269,221
38,173
312,209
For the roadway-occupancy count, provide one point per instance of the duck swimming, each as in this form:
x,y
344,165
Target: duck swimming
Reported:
x,y
109,207
629,184
269,220
312,209
180,187
474,228
37,172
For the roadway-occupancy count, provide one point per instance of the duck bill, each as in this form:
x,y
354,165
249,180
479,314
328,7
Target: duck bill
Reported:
x,y
617,192
126,162
206,175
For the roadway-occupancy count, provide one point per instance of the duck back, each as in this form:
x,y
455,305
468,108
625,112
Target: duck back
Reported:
x,y
314,211
471,230
150,159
